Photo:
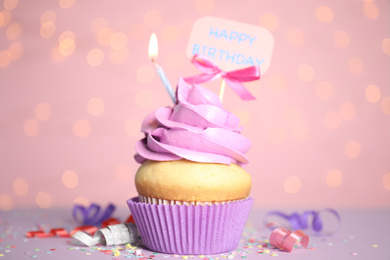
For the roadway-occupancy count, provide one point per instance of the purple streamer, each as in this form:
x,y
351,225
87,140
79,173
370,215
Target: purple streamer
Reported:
x,y
301,221
90,215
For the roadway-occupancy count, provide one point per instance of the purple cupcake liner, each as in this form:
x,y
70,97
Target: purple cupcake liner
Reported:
x,y
182,229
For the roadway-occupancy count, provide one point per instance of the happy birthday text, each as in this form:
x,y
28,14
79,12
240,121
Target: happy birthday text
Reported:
x,y
225,55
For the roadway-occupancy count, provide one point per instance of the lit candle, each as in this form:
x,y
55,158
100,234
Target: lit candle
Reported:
x,y
153,53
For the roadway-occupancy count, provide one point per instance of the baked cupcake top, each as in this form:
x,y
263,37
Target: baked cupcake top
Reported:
x,y
187,181
196,128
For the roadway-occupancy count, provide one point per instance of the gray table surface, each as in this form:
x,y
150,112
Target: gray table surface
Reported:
x,y
364,234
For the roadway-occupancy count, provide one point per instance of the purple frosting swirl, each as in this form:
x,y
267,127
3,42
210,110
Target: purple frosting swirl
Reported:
x,y
197,128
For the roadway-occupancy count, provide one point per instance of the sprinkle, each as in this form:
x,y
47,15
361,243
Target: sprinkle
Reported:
x,y
374,245
138,252
330,244
53,249
354,253
230,257
274,254
184,257
37,249
201,256
1,254
34,256
312,248
117,253
266,251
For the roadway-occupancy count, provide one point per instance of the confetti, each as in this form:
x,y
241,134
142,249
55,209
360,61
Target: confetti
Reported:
x,y
374,245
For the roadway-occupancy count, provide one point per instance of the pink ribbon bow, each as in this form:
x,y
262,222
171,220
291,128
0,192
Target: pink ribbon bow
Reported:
x,y
232,78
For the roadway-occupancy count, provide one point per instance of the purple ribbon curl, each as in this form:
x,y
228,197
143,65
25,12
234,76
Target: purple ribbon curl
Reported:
x,y
301,221
90,215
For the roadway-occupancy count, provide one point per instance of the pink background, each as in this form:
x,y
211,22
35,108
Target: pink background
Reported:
x,y
76,81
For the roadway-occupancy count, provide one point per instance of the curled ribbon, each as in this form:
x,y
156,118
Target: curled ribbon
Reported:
x,y
285,239
90,215
117,234
232,78
89,229
301,221
61,232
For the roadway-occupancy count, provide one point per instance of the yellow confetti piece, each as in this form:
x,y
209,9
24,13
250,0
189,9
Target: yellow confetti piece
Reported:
x,y
184,257
374,245
201,256
259,246
274,254
266,251
88,253
1,254
266,240
117,253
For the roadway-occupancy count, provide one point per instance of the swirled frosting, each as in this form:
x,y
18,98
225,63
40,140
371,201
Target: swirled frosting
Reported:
x,y
196,128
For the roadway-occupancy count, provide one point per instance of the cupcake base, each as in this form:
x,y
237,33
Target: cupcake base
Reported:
x,y
190,229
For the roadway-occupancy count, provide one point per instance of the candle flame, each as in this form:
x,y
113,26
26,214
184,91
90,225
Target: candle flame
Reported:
x,y
153,46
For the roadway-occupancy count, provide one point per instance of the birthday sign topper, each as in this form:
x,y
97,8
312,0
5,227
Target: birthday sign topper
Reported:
x,y
232,45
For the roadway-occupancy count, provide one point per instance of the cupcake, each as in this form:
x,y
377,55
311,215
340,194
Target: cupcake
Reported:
x,y
193,192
